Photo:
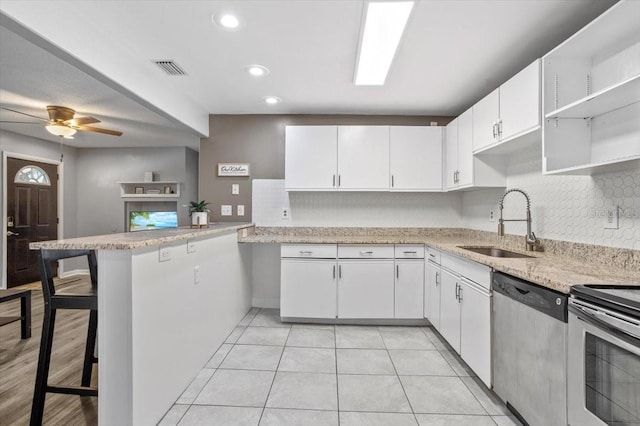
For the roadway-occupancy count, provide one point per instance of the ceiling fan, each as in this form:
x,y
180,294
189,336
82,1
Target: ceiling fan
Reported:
x,y
62,123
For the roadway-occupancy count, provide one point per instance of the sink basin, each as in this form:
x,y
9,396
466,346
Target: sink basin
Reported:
x,y
494,252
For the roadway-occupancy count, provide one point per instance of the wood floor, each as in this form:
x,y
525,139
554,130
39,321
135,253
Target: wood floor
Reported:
x,y
19,358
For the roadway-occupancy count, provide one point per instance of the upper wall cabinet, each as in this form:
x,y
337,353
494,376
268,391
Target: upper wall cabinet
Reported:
x,y
311,163
509,116
416,158
463,169
363,158
591,96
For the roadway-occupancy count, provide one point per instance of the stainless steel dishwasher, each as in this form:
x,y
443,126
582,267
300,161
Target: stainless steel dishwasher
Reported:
x,y
529,350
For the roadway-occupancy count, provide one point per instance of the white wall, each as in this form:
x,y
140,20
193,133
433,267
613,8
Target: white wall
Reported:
x,y
568,208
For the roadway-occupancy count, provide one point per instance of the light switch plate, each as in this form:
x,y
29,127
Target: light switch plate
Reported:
x,y
240,210
235,189
191,246
225,210
164,254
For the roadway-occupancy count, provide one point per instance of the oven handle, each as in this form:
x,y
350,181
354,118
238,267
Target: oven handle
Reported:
x,y
590,316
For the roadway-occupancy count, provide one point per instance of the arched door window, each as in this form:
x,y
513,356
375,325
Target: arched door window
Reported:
x,y
33,175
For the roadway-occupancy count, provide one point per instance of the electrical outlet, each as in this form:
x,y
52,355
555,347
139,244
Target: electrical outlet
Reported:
x,y
612,217
285,213
191,247
492,216
235,189
240,210
164,254
196,274
244,233
225,210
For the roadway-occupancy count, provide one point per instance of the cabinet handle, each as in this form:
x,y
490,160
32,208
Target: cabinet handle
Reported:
x,y
340,271
334,271
457,291
431,255
397,271
305,252
500,128
459,294
392,181
437,278
410,252
366,253
339,180
334,181
494,130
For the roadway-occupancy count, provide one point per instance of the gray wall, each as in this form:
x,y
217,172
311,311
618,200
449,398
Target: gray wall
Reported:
x,y
259,141
101,210
25,145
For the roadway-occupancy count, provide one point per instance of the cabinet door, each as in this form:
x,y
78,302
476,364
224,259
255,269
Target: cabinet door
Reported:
x,y
363,158
311,157
451,154
415,158
365,289
409,289
308,288
520,102
432,294
475,330
465,149
485,114
450,310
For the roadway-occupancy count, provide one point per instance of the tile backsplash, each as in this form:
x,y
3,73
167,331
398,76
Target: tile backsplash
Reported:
x,y
568,208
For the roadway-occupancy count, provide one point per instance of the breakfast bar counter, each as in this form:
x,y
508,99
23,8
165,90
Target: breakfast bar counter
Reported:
x,y
166,301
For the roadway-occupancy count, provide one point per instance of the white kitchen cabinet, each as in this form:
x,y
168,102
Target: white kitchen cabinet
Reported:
x,y
510,112
409,288
475,328
450,309
591,96
311,158
363,158
463,169
432,294
365,289
308,288
415,158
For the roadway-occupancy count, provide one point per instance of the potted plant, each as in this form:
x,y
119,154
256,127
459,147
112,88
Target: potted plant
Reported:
x,y
199,213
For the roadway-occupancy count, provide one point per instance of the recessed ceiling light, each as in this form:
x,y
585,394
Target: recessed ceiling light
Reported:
x,y
383,28
257,70
271,100
228,21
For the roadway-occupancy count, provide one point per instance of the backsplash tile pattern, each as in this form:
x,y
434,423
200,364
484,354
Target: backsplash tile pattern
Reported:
x,y
569,208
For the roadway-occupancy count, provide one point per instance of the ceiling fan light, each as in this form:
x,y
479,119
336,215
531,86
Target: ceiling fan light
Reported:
x,y
60,130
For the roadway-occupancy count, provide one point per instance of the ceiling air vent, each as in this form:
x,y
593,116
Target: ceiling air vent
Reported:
x,y
170,67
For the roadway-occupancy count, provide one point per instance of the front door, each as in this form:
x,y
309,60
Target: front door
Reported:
x,y
32,206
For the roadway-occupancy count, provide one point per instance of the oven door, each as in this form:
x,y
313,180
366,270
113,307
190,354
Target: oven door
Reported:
x,y
603,367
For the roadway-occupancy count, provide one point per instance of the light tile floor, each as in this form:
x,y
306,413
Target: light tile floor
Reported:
x,y
270,373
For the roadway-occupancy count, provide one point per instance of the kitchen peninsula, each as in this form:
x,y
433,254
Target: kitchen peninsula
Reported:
x,y
167,300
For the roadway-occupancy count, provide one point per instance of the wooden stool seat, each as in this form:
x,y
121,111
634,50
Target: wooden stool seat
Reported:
x,y
86,298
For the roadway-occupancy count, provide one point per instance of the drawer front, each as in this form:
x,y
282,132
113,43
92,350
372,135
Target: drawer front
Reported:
x,y
322,251
433,255
469,269
409,251
379,251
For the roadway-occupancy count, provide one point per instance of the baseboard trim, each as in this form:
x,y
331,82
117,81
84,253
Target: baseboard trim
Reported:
x,y
373,321
266,302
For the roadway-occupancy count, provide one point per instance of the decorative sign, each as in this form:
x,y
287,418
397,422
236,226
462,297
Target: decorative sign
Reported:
x,y
233,169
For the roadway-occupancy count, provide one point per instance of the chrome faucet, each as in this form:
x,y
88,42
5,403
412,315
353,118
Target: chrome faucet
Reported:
x,y
532,242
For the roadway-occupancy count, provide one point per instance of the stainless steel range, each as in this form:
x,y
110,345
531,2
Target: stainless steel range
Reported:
x,y
604,355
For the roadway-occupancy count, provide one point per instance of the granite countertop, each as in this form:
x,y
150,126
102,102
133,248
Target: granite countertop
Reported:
x,y
132,240
562,265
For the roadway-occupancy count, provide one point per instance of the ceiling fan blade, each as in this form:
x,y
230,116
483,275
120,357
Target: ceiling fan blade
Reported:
x,y
81,121
20,122
24,113
99,130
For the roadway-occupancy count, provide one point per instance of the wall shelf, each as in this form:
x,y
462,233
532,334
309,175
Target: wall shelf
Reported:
x,y
149,190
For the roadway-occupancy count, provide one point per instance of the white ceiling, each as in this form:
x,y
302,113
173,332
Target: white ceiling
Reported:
x,y
453,53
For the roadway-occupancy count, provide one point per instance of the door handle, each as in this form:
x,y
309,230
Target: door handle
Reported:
x,y
10,233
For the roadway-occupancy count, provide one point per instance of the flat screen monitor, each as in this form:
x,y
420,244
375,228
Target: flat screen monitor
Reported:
x,y
148,220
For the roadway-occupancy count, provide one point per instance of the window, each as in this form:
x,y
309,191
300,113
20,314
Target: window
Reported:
x,y
32,174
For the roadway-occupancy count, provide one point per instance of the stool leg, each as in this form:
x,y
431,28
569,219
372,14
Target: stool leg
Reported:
x,y
44,361
90,348
25,316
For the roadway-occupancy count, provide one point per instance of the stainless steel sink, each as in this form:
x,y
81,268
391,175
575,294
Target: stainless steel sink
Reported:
x,y
494,252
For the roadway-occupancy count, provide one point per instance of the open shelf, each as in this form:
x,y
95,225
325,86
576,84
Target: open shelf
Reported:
x,y
514,144
602,167
616,96
136,189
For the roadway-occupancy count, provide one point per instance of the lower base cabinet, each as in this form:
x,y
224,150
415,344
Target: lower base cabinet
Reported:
x,y
308,288
475,329
432,294
409,288
365,289
450,309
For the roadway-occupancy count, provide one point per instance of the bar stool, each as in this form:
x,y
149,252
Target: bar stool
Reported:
x,y
63,300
